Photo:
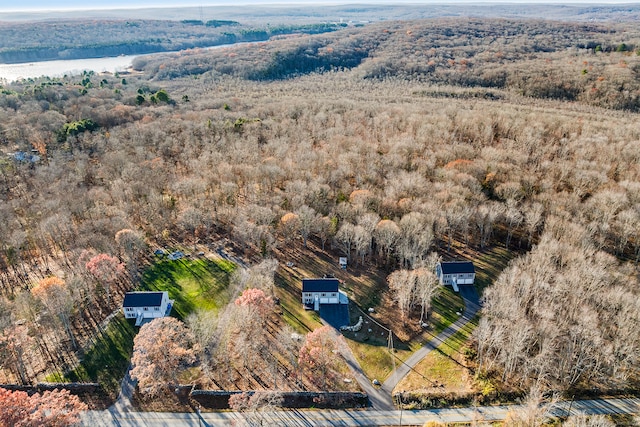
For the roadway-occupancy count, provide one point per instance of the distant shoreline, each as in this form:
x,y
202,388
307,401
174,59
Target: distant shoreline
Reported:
x,y
276,12
60,67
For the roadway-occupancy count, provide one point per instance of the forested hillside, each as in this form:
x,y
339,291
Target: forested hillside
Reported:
x,y
382,144
595,64
74,39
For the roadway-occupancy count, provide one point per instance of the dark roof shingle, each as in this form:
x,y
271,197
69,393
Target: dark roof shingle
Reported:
x,y
319,285
142,299
457,267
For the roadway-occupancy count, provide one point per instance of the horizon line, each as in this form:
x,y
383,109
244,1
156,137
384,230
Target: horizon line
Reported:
x,y
317,3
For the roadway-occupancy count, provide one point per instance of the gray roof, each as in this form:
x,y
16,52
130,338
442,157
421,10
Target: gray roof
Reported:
x,y
142,299
457,267
320,285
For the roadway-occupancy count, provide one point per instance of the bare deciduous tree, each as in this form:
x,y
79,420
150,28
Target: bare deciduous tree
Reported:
x,y
346,238
401,283
534,411
59,301
386,235
543,315
427,287
588,421
307,218
416,239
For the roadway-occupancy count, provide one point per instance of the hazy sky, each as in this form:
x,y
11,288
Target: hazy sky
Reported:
x,y
8,5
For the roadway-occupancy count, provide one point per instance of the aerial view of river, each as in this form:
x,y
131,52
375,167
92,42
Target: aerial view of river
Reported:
x,y
58,68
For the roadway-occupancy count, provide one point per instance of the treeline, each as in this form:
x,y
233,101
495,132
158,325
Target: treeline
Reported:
x,y
53,40
564,316
596,65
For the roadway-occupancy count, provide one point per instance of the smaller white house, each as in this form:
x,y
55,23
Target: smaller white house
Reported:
x,y
321,291
146,306
455,273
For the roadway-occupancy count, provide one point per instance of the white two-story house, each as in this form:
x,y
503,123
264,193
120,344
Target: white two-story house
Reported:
x,y
454,273
321,291
146,306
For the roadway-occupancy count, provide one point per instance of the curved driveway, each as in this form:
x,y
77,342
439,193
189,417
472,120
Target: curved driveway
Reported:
x,y
471,307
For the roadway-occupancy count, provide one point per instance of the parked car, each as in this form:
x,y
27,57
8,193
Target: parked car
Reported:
x,y
175,255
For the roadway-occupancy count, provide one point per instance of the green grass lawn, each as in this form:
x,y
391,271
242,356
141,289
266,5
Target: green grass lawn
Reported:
x,y
107,360
490,263
372,352
301,320
444,365
374,356
445,306
191,283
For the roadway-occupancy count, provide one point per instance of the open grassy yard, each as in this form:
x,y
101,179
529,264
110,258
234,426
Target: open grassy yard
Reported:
x,y
193,283
371,344
444,369
490,263
107,360
446,307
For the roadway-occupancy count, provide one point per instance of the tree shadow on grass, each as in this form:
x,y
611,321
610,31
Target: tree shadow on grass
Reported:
x,y
108,359
190,283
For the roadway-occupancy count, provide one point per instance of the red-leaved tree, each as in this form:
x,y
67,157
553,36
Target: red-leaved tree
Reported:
x,y
256,301
106,269
15,342
162,350
318,360
55,408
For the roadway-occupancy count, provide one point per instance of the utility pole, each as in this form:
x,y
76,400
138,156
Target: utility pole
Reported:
x,y
390,346
570,403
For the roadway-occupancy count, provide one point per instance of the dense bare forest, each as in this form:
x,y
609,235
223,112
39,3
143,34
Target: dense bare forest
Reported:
x,y
386,143
533,58
72,39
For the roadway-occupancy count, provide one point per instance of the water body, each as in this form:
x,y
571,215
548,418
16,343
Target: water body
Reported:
x,y
58,68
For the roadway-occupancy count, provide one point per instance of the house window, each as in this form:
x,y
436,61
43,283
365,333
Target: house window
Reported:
x,y
156,308
146,309
324,294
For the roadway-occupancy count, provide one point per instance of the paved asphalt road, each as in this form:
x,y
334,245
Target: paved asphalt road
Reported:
x,y
382,414
347,418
